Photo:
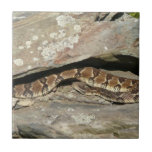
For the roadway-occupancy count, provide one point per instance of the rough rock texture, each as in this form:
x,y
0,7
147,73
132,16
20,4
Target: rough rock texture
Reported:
x,y
43,40
76,120
69,114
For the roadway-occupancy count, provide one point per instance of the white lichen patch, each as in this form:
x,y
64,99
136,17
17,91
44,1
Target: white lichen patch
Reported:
x,y
105,48
51,49
45,42
83,119
61,34
18,62
31,52
57,46
69,42
29,67
63,20
28,44
35,59
39,48
53,35
74,39
35,37
77,28
70,109
59,39
48,53
21,47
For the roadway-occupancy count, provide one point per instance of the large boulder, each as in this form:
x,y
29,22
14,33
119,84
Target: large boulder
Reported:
x,y
45,40
45,43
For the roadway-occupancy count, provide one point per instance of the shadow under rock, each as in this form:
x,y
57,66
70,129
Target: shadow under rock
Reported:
x,y
124,63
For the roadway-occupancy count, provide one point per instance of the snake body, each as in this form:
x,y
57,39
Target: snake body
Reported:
x,y
108,86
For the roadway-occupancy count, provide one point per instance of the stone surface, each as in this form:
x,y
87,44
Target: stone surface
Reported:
x,y
76,120
43,40
68,114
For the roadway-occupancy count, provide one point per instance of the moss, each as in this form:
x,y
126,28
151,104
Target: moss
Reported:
x,y
134,14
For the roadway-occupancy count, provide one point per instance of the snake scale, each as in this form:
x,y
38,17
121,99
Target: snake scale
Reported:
x,y
108,86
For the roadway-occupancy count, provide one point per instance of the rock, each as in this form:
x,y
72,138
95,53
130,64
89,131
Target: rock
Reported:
x,y
43,40
76,120
115,16
68,114
53,42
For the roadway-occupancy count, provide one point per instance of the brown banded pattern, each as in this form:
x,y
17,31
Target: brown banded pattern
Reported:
x,y
37,87
69,74
110,86
18,90
44,84
100,79
51,81
126,85
86,75
28,92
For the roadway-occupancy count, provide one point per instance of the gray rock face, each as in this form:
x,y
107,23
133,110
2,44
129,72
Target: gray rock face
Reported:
x,y
45,40
76,120
42,41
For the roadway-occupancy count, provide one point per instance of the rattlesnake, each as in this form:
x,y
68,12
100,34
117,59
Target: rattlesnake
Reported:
x,y
101,83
